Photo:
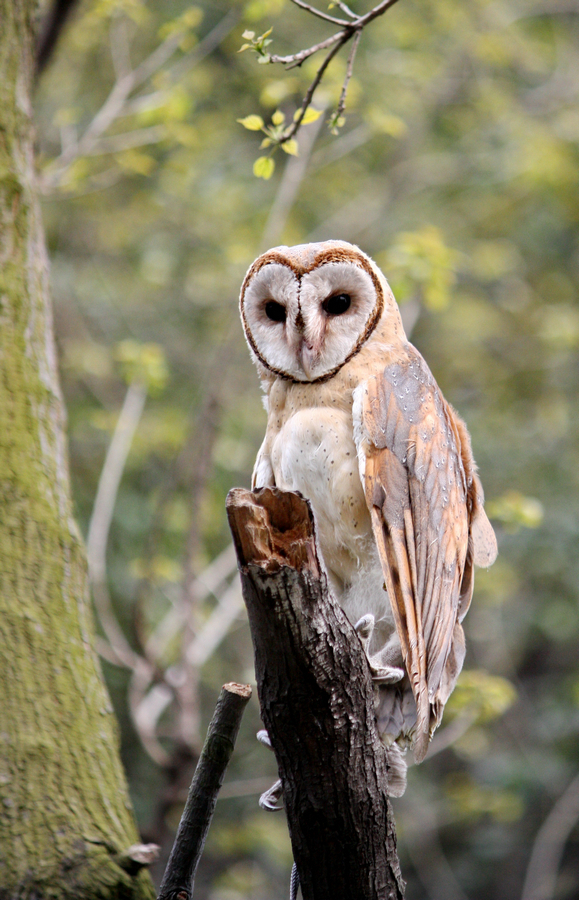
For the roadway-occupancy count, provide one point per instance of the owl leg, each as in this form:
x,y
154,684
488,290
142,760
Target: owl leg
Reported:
x,y
272,798
383,672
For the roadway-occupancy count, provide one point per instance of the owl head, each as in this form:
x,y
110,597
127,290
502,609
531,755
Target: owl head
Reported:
x,y
308,310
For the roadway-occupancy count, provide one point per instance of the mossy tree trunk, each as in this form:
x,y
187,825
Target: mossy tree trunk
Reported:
x,y
65,817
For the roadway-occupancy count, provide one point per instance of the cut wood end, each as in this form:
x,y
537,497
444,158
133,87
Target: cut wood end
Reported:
x,y
273,528
242,690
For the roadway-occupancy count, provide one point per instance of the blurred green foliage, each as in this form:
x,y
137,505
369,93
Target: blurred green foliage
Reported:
x,y
457,170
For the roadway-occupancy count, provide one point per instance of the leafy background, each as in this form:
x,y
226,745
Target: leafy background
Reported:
x,y
456,169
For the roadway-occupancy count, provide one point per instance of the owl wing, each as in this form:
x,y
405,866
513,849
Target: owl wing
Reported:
x,y
426,507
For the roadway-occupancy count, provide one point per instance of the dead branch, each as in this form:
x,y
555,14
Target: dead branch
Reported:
x,y
317,704
179,875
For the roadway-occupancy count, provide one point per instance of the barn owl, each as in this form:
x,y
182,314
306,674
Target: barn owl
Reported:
x,y
358,425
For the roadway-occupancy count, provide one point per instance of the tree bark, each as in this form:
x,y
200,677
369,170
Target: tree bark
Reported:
x,y
66,828
317,704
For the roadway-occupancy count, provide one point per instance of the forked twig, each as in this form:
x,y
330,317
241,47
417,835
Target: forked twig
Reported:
x,y
351,30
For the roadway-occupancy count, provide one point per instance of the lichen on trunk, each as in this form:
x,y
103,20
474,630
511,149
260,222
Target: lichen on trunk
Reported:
x,y
66,818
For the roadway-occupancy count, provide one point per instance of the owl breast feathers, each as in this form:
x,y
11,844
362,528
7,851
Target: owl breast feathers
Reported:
x,y
358,425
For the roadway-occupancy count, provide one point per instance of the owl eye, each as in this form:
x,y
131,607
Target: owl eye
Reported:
x,y
336,304
275,311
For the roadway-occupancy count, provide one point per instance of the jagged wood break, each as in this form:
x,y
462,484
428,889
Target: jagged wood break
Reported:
x,y
317,704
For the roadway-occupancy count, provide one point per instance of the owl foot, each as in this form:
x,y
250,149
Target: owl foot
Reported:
x,y
272,798
396,770
382,673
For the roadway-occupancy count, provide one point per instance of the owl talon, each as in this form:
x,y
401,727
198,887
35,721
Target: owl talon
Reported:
x,y
385,674
364,628
271,799
263,738
381,674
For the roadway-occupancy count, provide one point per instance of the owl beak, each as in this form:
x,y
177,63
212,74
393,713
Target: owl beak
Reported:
x,y
310,354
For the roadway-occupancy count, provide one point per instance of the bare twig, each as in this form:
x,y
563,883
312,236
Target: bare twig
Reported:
x,y
140,137
213,580
319,13
293,129
217,749
346,9
296,59
351,30
217,626
102,514
118,103
541,877
349,70
422,842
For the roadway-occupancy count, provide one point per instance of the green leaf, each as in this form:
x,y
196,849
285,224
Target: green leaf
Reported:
x,y
290,147
252,123
263,167
267,142
278,117
311,115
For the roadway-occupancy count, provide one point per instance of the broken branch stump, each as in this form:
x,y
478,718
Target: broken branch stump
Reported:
x,y
179,875
317,703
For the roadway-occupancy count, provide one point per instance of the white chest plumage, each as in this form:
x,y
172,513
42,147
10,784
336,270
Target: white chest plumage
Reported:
x,y
309,447
314,453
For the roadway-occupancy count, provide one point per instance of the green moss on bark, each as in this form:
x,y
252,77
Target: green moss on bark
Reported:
x,y
64,808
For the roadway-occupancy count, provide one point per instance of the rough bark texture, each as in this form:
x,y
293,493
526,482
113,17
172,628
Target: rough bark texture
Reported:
x,y
317,704
190,839
66,828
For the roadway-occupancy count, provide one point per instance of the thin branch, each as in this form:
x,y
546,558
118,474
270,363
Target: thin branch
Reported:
x,y
180,872
541,877
101,518
146,715
141,137
117,101
349,70
310,93
351,30
318,13
141,678
422,842
296,59
346,9
217,626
